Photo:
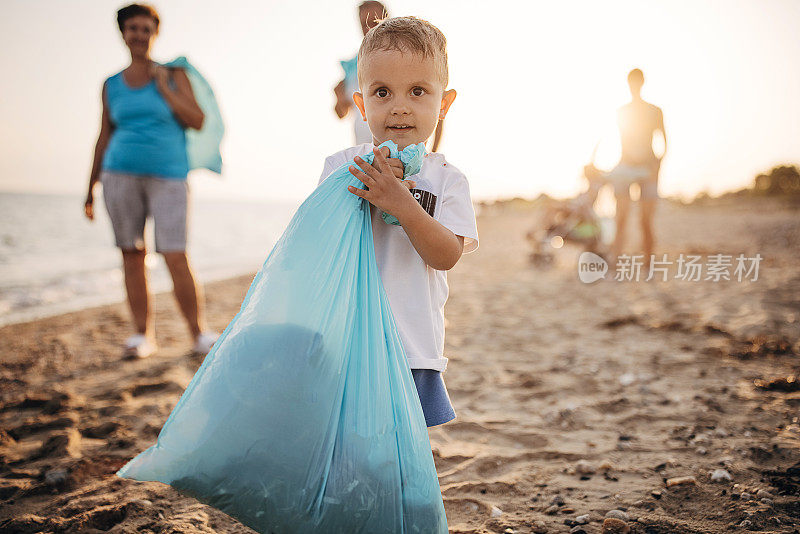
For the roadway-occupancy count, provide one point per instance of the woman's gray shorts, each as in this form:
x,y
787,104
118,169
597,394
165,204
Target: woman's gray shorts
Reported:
x,y
131,198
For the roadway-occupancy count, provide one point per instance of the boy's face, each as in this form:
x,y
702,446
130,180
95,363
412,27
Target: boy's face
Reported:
x,y
401,97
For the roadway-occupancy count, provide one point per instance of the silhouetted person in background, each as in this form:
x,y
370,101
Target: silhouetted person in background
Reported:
x,y
638,122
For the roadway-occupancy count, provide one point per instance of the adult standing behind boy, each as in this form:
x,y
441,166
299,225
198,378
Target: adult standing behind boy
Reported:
x,y
403,76
638,122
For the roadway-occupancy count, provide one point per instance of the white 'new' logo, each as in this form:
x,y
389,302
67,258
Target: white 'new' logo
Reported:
x,y
591,267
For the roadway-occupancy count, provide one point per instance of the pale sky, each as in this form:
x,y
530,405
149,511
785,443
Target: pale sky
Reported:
x,y
537,82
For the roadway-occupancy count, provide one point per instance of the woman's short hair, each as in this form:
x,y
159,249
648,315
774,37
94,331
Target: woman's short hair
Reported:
x,y
134,10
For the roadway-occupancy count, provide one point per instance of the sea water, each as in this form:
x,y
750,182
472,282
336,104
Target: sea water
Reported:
x,y
54,260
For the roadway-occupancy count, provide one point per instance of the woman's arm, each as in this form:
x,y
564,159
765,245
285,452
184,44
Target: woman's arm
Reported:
x,y
106,129
181,100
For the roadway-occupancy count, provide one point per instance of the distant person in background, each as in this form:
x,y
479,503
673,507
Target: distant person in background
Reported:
x,y
141,159
369,13
638,122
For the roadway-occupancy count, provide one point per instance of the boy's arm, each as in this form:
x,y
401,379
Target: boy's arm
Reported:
x,y
437,246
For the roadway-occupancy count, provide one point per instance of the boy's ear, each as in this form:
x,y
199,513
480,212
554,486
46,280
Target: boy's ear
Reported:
x,y
447,101
358,98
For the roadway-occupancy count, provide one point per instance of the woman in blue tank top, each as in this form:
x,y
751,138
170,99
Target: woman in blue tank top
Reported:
x,y
140,158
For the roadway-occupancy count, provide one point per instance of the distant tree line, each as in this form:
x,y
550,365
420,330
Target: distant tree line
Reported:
x,y
780,181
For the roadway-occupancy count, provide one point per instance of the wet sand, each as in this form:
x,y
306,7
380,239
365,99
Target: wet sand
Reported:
x,y
574,400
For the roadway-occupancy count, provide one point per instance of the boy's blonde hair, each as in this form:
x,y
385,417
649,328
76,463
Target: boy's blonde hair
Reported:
x,y
407,34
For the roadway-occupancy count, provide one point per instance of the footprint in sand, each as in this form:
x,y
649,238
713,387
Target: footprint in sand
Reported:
x,y
138,390
118,393
445,464
496,488
47,402
101,431
475,433
42,424
466,515
486,467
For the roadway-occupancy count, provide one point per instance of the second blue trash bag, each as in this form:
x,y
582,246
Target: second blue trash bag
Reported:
x,y
304,417
202,146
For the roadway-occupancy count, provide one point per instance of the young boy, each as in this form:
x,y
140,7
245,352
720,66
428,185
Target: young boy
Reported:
x,y
402,75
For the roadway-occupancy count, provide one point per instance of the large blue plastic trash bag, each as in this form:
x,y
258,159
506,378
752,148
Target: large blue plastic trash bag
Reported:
x,y
202,146
304,417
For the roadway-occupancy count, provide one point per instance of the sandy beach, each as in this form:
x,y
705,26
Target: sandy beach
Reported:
x,y
574,401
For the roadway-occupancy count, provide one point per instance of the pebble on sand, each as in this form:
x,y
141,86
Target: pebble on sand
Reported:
x,y
606,465
720,475
56,477
617,514
627,379
763,494
585,467
681,481
496,512
615,526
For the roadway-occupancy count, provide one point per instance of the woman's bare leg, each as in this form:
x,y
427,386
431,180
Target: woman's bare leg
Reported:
x,y
136,287
188,294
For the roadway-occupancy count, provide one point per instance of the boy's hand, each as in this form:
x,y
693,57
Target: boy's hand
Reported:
x,y
397,167
385,190
394,163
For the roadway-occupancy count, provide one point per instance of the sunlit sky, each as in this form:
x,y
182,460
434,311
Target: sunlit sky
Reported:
x,y
537,82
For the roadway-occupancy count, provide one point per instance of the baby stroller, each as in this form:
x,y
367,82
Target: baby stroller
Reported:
x,y
570,222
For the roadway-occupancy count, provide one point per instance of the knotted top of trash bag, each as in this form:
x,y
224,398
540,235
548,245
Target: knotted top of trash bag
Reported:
x,y
411,156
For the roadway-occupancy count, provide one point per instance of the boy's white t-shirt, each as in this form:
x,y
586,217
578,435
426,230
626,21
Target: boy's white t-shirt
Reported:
x,y
417,292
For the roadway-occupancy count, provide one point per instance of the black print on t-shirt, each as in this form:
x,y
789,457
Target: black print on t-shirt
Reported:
x,y
426,199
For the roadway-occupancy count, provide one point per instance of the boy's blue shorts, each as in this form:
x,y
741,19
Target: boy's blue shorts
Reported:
x,y
433,396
